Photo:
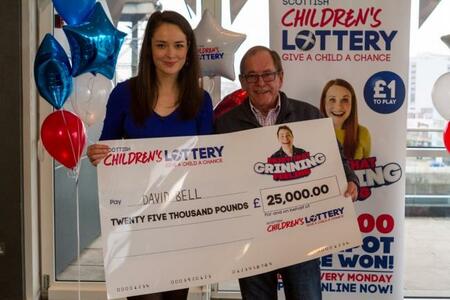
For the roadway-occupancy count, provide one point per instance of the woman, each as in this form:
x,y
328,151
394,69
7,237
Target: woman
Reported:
x,y
338,101
163,100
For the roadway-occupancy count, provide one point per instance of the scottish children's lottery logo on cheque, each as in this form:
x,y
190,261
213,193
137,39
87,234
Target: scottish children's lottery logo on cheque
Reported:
x,y
178,157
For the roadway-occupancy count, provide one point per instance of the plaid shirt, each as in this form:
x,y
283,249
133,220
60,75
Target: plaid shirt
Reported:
x,y
271,116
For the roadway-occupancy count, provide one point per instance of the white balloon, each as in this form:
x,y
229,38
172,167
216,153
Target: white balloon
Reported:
x,y
89,97
208,84
216,47
441,95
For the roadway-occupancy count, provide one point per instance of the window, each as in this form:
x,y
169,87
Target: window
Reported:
x,y
427,166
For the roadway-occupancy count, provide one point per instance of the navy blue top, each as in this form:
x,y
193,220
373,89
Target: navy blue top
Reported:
x,y
119,122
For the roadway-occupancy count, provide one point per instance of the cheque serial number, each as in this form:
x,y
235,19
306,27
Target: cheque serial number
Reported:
x,y
305,193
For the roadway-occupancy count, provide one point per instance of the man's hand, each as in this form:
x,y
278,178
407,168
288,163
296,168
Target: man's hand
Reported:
x,y
97,152
352,191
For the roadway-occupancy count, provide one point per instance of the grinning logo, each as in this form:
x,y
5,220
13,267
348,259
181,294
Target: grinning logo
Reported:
x,y
288,168
371,175
289,162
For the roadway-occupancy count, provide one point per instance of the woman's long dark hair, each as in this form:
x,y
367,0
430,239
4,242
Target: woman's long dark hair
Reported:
x,y
351,124
144,87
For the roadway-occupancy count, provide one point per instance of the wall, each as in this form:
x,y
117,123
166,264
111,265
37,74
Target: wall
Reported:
x,y
11,163
30,136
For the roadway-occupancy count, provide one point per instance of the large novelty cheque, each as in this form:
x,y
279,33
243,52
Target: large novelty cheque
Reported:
x,y
189,211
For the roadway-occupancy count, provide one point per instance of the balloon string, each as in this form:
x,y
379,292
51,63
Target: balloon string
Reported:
x,y
77,173
70,138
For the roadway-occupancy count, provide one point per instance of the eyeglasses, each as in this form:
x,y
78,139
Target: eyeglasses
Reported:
x,y
266,77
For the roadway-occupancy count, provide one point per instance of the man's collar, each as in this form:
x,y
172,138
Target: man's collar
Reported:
x,y
257,111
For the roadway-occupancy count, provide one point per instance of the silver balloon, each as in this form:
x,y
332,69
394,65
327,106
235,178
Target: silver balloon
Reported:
x,y
216,47
235,8
441,95
446,39
158,6
116,7
192,4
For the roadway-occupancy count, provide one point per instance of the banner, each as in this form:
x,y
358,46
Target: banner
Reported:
x,y
365,45
189,211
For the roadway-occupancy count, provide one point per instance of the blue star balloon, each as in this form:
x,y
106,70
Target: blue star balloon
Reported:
x,y
95,44
73,12
52,72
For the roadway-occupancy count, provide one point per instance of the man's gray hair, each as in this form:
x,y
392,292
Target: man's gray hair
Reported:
x,y
252,51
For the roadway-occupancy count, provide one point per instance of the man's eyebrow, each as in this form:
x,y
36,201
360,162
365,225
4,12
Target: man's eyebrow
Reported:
x,y
264,71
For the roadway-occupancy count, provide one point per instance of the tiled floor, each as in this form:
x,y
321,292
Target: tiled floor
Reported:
x,y
427,259
89,266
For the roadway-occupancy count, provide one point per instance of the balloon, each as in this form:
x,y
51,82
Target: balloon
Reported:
x,y
106,9
90,96
235,8
95,44
64,136
364,193
74,12
216,47
116,7
52,72
230,101
446,39
192,4
441,95
447,137
208,84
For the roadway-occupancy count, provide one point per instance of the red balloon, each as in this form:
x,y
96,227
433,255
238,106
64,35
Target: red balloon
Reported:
x,y
64,136
447,137
230,101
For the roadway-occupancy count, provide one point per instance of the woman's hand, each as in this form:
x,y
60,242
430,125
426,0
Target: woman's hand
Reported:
x,y
352,191
97,152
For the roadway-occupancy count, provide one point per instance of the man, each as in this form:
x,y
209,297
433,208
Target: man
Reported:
x,y
287,153
262,77
286,139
